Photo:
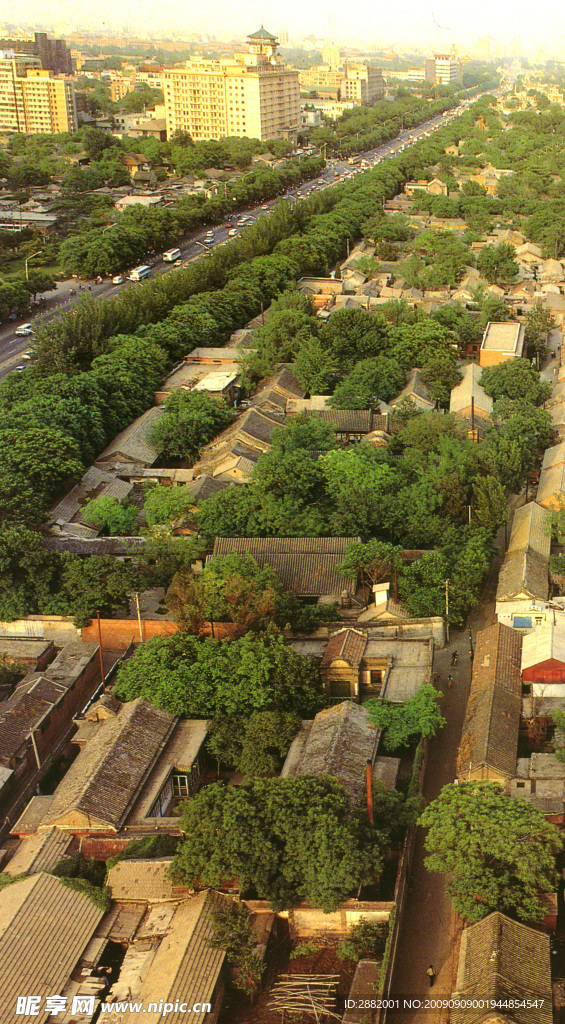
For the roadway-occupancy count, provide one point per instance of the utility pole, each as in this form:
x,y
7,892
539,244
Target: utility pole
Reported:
x,y
446,584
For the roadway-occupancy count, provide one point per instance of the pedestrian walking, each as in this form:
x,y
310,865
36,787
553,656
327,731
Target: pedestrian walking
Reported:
x,y
431,974
449,681
454,658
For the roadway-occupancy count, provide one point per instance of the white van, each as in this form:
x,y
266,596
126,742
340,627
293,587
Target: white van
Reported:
x,y
138,273
172,255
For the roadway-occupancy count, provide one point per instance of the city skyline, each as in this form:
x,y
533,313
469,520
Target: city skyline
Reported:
x,y
409,26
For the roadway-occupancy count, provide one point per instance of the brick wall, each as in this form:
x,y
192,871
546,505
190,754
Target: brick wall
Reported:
x,y
118,634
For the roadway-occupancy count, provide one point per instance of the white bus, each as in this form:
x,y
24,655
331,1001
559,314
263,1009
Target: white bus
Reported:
x,y
138,273
172,255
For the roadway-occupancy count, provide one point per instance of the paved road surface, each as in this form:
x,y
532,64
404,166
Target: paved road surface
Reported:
x,y
431,930
12,348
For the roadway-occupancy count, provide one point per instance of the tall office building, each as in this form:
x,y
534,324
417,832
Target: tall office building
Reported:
x,y
33,100
254,94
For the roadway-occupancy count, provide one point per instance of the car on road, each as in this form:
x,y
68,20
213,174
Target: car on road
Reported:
x,y
20,369
27,354
23,330
233,232
118,279
209,237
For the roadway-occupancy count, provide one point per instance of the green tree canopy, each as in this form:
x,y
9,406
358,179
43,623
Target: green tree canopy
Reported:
x,y
288,839
190,420
500,852
256,745
113,517
402,723
498,263
201,678
517,380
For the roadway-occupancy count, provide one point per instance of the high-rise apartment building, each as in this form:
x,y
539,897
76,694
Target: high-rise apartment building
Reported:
x,y
361,83
447,69
254,94
33,100
331,56
53,53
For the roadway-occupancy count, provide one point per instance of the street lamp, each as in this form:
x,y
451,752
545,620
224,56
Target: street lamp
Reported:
x,y
33,255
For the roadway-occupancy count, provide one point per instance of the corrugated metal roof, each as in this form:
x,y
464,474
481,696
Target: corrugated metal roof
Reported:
x,y
44,929
502,960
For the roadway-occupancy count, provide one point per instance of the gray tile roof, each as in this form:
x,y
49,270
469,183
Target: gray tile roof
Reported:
x,y
37,693
305,566
39,853
490,733
523,572
354,421
102,782
44,929
133,444
117,546
141,880
339,742
184,967
500,959
497,659
531,528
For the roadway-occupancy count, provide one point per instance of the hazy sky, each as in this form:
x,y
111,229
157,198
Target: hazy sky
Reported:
x,y
408,23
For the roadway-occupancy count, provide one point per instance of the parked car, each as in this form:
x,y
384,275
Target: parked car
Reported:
x,y
118,279
233,232
24,330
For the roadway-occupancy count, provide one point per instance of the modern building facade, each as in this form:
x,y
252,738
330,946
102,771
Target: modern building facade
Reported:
x,y
53,54
447,69
254,94
360,83
32,99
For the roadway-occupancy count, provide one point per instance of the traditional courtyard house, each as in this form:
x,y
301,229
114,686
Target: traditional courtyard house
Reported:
x,y
523,583
489,742
134,765
305,566
503,961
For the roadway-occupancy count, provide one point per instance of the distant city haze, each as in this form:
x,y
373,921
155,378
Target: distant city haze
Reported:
x,y
501,27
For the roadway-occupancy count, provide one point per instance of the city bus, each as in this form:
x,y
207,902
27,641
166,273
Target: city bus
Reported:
x,y
138,273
